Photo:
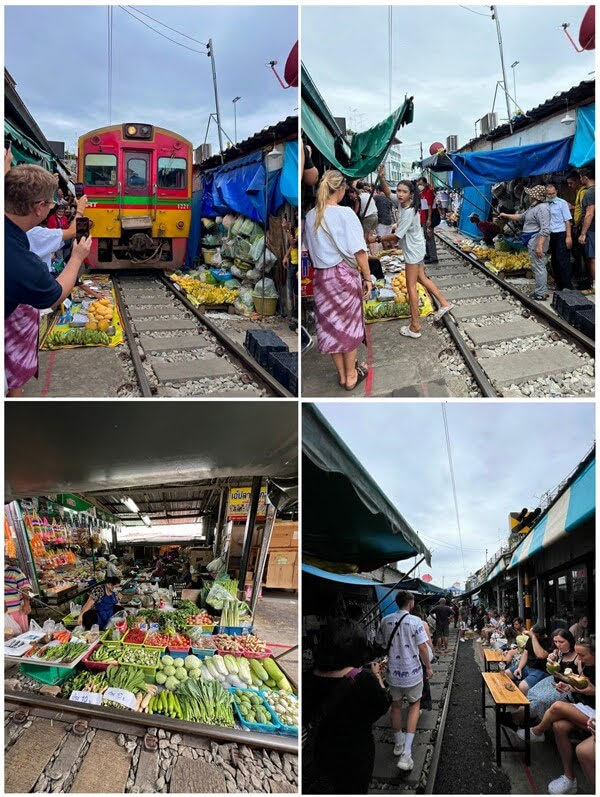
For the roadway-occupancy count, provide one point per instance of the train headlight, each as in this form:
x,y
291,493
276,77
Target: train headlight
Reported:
x,y
180,225
131,130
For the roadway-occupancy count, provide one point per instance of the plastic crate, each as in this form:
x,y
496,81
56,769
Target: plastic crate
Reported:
x,y
237,654
234,630
284,367
106,637
251,654
178,653
134,644
567,302
284,730
46,675
203,653
584,319
259,342
256,726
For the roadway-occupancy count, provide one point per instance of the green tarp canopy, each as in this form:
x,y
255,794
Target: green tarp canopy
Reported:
x,y
24,150
367,149
345,515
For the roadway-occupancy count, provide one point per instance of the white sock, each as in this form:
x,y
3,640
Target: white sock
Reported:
x,y
398,736
408,743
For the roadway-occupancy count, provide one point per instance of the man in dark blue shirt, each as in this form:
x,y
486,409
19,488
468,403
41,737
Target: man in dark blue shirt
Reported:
x,y
28,198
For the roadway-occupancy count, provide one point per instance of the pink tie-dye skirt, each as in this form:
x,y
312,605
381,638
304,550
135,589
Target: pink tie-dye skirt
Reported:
x,y
338,309
21,332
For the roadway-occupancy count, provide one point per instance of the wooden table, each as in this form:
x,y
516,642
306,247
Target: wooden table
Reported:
x,y
492,655
497,683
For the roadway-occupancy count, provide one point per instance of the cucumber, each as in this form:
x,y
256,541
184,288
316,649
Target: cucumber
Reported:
x,y
258,669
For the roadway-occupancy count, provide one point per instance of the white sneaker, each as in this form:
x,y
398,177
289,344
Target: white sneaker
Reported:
x,y
399,746
533,736
562,785
406,763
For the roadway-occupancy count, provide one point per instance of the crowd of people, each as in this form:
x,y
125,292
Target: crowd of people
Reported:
x,y
355,682
42,262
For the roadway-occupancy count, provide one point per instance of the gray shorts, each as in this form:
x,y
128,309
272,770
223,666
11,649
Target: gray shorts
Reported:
x,y
411,693
369,224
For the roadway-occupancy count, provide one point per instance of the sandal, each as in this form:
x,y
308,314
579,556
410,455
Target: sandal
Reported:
x,y
439,314
361,375
408,333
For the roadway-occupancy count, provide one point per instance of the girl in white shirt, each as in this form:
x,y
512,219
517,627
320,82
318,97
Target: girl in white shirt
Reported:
x,y
335,240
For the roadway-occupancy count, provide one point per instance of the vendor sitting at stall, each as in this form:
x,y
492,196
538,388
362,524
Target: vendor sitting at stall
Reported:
x,y
101,604
111,568
488,229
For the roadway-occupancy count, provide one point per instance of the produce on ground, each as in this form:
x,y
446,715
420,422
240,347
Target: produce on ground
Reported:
x,y
252,707
76,337
399,287
203,292
284,705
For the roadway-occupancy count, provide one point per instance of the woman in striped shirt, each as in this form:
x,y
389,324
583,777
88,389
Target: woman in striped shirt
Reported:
x,y
16,594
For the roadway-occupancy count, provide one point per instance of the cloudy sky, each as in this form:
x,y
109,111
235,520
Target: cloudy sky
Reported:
x,y
446,56
505,455
62,77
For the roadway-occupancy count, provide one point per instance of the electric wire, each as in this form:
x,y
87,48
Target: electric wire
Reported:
x,y
390,24
451,464
179,33
110,63
479,13
191,49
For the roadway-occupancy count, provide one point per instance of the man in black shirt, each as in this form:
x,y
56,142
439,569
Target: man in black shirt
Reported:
x,y
385,219
28,198
442,613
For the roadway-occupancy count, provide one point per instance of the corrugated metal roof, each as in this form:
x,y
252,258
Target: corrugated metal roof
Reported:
x,y
268,135
577,95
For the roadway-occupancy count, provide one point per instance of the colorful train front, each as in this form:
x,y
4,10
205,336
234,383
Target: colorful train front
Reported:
x,y
138,180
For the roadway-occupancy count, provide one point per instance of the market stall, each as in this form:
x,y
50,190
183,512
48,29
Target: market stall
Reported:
x,y
164,656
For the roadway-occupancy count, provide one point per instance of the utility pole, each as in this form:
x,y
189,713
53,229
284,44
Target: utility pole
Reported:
x,y
235,102
211,54
512,66
499,33
421,149
390,46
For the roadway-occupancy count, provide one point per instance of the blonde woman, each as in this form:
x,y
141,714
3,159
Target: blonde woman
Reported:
x,y
335,240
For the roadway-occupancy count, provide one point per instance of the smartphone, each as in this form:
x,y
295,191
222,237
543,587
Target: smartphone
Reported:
x,y
82,228
7,144
79,191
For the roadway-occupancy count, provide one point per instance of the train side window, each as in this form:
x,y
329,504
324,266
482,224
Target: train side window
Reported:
x,y
137,173
100,170
172,173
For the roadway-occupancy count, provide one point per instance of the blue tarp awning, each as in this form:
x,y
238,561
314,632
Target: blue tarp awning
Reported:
x,y
289,174
584,144
341,578
474,201
499,165
240,186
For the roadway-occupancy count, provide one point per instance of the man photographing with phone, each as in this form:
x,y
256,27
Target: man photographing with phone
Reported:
x,y
28,285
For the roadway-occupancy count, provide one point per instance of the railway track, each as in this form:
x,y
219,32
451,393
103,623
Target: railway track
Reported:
x,y
54,745
511,344
177,351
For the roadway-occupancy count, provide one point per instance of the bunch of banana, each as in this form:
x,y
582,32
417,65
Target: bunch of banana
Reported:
x,y
204,293
76,337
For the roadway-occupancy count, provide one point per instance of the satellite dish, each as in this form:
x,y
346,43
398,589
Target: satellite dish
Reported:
x,y
587,31
434,149
290,73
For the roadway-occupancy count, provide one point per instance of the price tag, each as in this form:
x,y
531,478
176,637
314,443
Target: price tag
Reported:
x,y
143,626
67,303
154,626
121,696
92,698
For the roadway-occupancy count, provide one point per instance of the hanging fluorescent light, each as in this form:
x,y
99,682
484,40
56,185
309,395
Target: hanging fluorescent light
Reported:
x,y
567,119
146,520
130,504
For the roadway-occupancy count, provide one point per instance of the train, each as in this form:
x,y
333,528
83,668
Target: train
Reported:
x,y
138,181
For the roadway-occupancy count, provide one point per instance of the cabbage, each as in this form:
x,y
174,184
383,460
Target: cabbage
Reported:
x,y
172,683
160,678
169,671
192,662
181,674
167,660
178,662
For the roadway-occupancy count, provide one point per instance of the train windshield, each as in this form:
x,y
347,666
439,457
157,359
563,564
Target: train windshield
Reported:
x,y
172,173
100,170
137,172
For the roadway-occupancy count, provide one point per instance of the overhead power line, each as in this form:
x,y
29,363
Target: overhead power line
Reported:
x,y
479,13
449,449
191,38
161,34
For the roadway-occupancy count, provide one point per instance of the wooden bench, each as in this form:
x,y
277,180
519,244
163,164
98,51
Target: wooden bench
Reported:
x,y
505,693
492,656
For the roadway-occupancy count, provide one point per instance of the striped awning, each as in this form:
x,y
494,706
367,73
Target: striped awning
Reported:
x,y
498,568
572,508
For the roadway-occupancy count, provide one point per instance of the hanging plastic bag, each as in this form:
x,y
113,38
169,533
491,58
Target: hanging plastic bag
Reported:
x,y
218,596
74,609
48,628
11,627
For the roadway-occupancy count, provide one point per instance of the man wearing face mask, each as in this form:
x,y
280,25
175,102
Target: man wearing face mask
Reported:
x,y
561,241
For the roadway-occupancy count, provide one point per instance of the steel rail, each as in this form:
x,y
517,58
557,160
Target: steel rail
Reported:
x,y
65,710
234,348
477,372
559,323
437,749
138,366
